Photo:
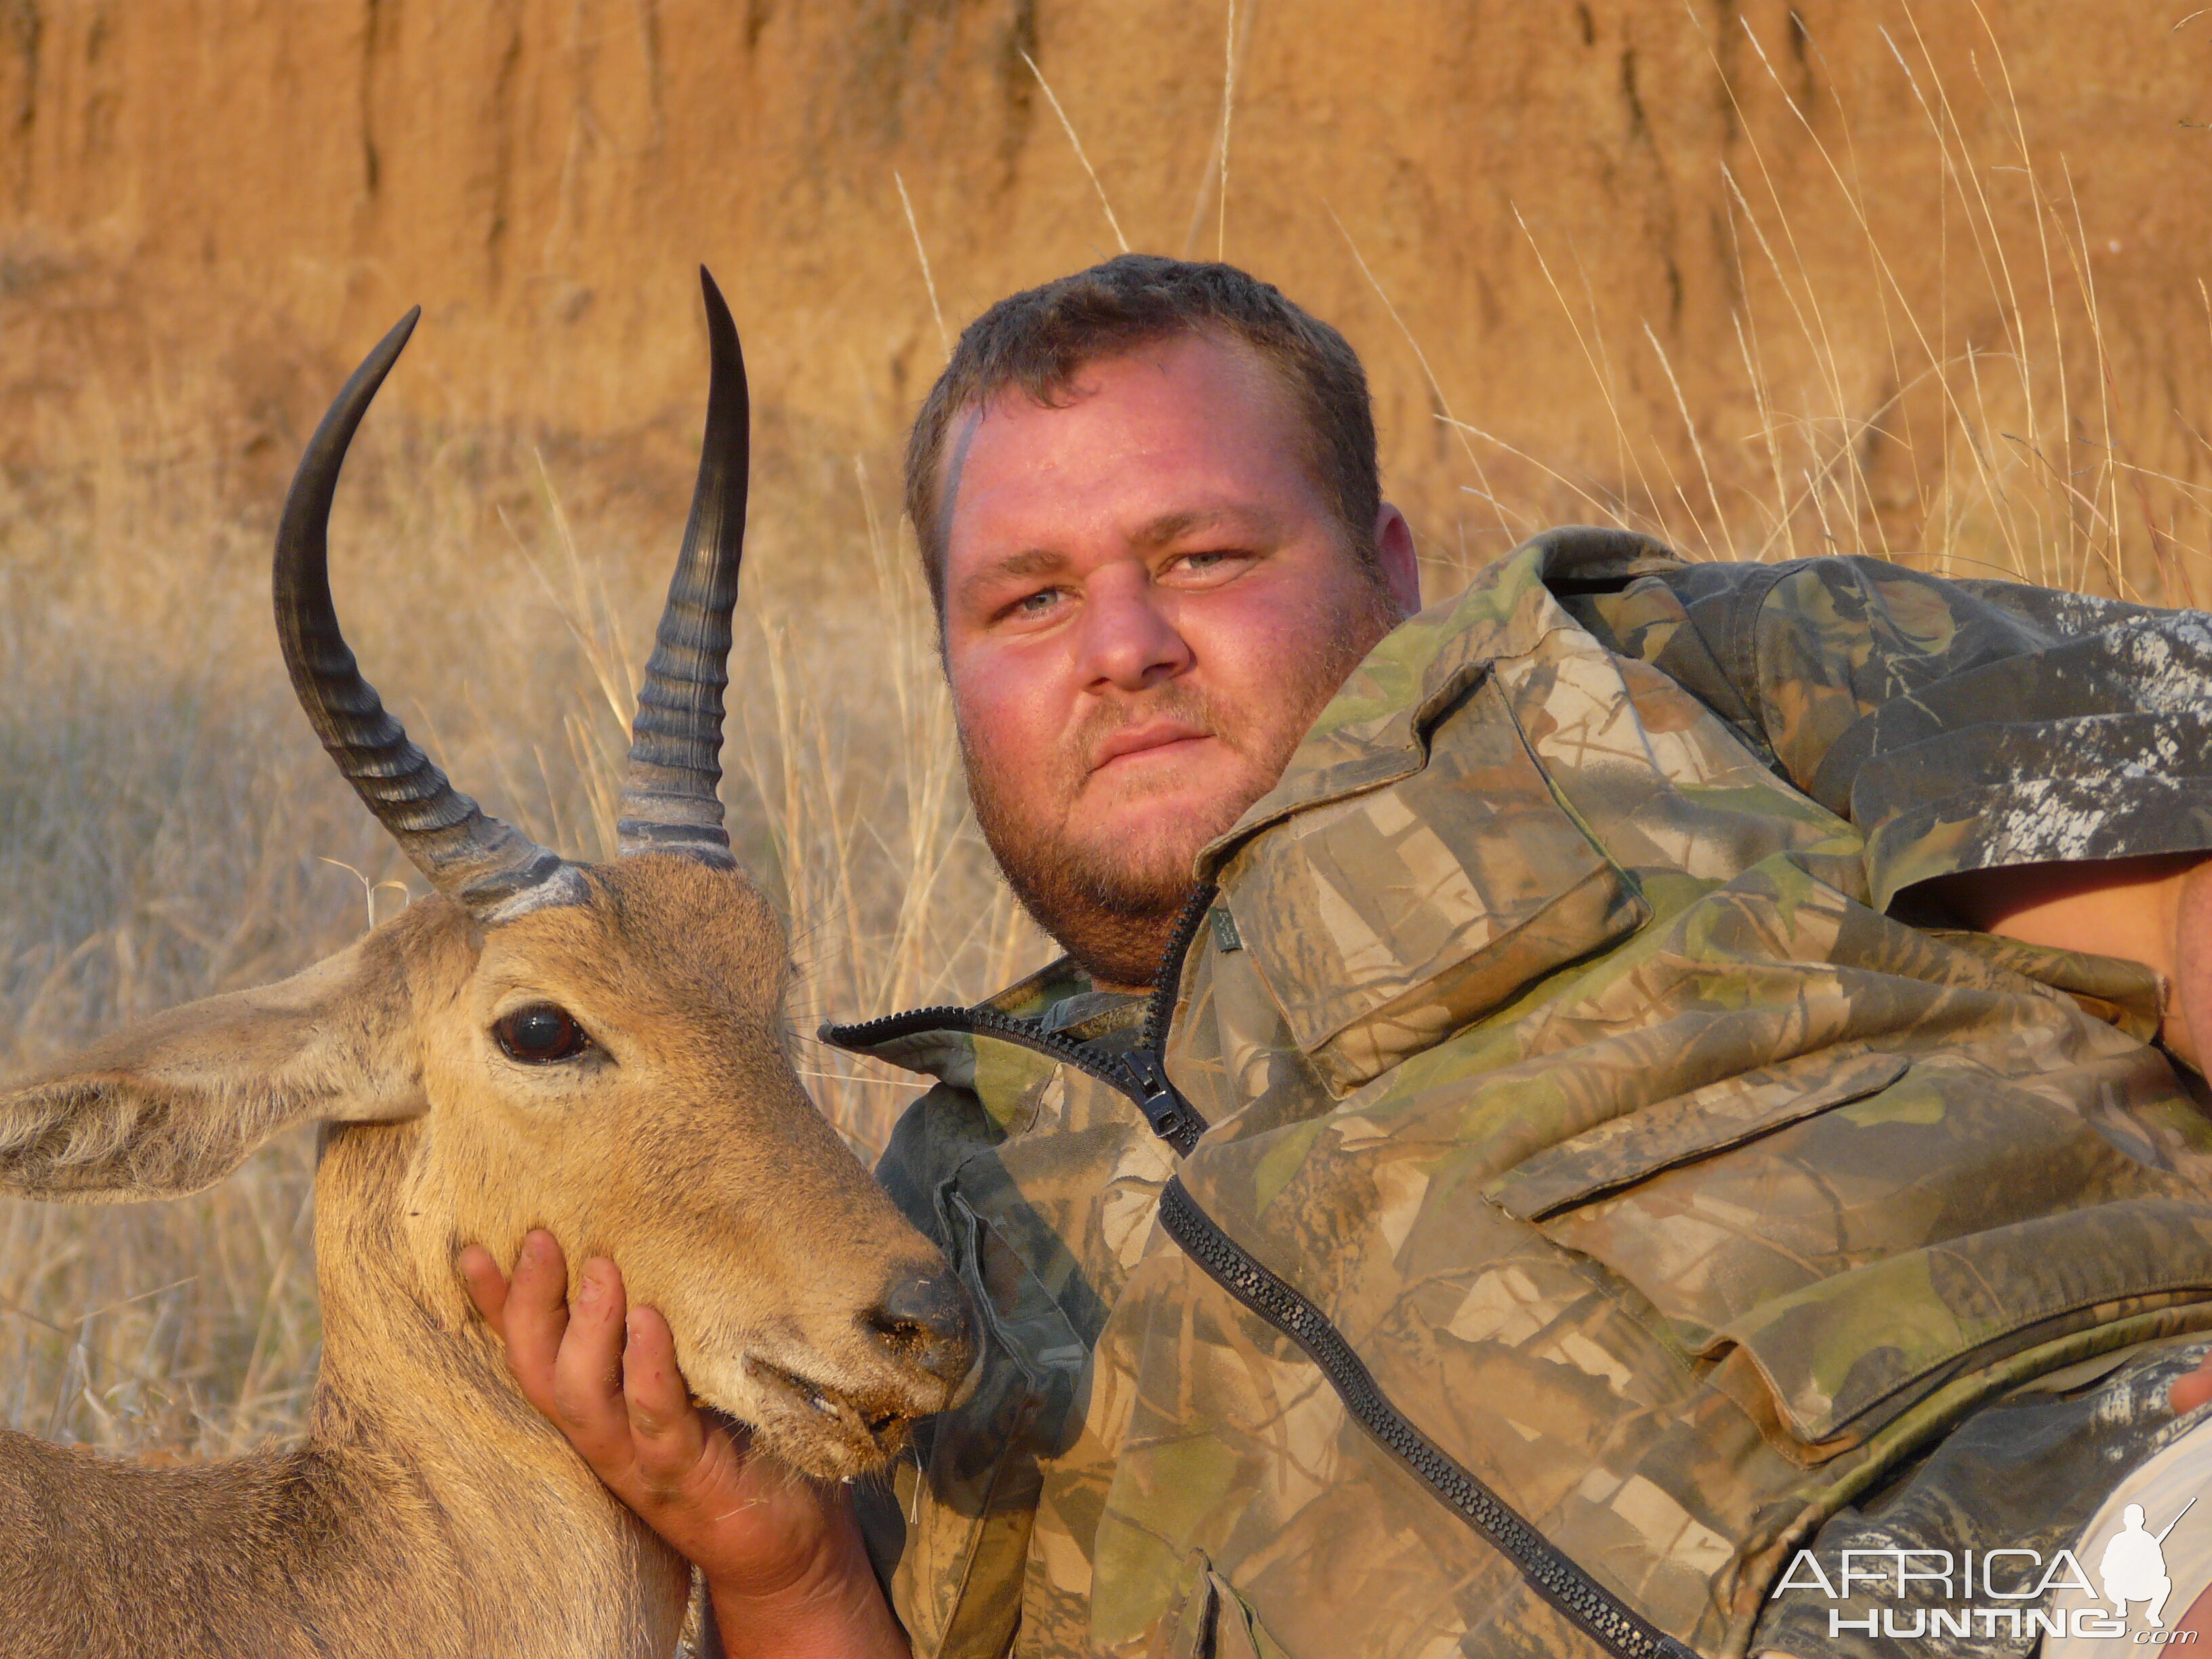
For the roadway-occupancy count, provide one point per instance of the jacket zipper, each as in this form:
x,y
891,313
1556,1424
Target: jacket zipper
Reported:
x,y
1142,1075
1157,1096
1167,984
1137,1075
1546,1570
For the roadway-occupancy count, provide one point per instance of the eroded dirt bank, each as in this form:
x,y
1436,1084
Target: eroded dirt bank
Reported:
x,y
1644,249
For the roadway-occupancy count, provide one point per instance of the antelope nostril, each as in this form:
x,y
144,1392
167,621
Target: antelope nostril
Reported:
x,y
924,1320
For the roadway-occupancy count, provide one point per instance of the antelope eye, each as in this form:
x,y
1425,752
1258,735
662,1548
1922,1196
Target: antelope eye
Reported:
x,y
540,1034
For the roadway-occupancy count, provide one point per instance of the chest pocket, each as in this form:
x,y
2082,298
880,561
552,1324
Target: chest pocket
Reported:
x,y
1859,1226
959,1579
1384,921
1624,1150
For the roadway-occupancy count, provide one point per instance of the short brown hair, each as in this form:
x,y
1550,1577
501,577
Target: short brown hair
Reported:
x,y
1040,340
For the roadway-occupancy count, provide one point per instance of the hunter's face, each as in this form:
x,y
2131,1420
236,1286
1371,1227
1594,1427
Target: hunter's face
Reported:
x,y
1148,599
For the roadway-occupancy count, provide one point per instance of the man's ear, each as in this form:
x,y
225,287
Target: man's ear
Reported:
x,y
176,1103
1394,552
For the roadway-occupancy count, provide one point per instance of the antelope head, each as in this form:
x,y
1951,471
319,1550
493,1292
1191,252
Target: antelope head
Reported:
x,y
597,1049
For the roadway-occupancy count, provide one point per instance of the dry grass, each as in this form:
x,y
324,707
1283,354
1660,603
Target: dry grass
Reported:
x,y
168,830
1994,432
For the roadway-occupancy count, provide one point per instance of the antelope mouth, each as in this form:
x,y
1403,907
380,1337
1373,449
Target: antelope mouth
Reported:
x,y
822,1429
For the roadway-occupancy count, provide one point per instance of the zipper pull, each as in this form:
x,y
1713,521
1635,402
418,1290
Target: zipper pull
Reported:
x,y
1174,1119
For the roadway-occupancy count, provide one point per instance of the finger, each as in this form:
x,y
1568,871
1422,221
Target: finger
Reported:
x,y
587,1398
486,1286
536,1316
2189,1392
669,1434
2189,1021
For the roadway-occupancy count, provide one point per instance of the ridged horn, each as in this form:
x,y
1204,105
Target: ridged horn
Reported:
x,y
492,870
669,799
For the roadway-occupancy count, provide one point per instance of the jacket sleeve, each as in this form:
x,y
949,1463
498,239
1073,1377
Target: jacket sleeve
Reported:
x,y
1959,725
930,1138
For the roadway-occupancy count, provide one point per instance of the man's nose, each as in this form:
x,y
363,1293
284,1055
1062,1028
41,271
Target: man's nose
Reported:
x,y
1128,640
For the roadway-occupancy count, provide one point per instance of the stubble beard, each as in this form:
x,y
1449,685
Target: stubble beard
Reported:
x,y
1113,905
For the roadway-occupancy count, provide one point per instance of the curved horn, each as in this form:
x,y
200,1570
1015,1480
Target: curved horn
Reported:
x,y
669,803
492,870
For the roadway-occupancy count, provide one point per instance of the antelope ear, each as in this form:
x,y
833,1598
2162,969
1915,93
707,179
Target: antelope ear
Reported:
x,y
176,1103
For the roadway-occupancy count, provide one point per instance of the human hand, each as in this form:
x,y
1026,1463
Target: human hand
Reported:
x,y
2189,1020
782,1554
2191,1013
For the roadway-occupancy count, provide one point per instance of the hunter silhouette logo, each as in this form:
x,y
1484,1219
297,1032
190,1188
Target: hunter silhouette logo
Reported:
x,y
2134,1565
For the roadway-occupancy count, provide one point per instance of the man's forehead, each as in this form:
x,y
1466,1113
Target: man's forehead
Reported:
x,y
1168,406
1193,366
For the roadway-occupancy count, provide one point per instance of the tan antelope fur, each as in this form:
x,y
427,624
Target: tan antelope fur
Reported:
x,y
599,1050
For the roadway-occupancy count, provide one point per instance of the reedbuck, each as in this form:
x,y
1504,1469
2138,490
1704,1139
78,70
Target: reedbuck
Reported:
x,y
597,1049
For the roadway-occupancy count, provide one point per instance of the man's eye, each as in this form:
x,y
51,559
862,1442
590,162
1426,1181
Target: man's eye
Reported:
x,y
1206,564
1035,604
540,1034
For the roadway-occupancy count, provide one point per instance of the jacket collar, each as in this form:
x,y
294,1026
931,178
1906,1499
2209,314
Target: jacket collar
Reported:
x,y
1376,729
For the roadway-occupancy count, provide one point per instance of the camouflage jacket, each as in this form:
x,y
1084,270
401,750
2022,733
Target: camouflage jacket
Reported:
x,y
1576,1070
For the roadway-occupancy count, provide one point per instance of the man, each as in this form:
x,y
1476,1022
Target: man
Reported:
x,y
2133,1567
1661,1065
